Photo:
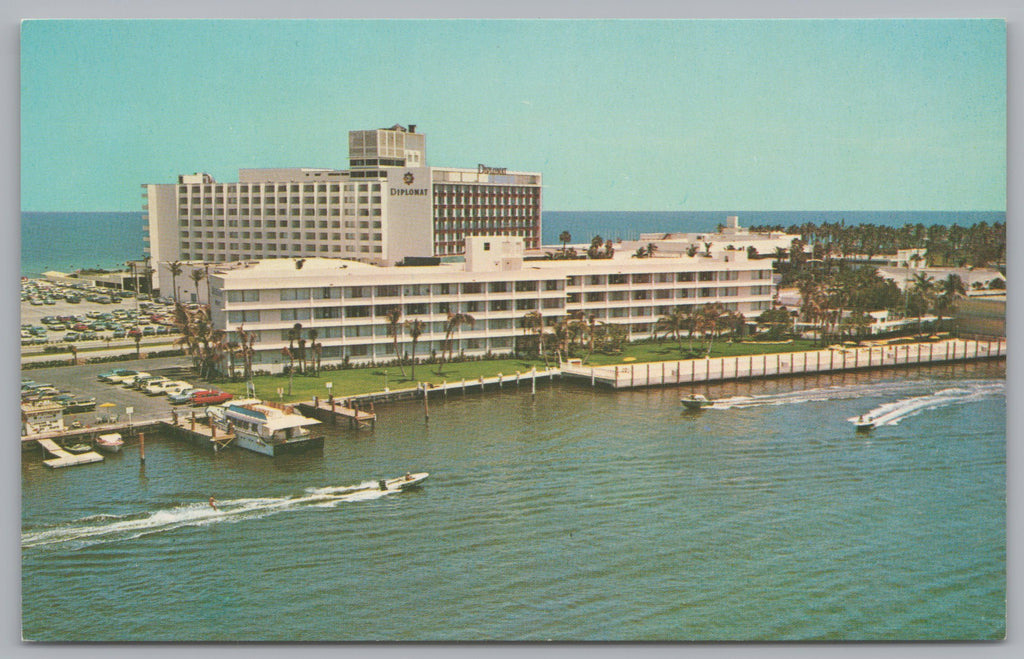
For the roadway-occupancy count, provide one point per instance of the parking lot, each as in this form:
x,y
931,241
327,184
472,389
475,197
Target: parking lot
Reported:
x,y
88,323
82,381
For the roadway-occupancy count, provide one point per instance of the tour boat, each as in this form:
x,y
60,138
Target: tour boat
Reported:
x,y
111,443
696,402
265,427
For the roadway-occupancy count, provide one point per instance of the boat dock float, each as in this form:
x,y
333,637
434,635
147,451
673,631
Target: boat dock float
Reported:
x,y
65,459
329,411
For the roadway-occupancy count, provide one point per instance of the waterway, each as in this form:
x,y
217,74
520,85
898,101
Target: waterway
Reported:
x,y
574,514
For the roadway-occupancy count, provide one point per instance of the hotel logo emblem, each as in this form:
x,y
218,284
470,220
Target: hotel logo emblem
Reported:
x,y
408,178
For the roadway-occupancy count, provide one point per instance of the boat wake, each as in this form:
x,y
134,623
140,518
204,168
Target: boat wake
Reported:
x,y
845,392
97,529
890,414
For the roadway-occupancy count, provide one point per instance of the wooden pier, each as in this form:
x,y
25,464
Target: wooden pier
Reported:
x,y
830,360
63,458
329,411
200,432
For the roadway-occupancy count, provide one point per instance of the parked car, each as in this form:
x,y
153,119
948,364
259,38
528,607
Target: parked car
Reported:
x,y
116,375
176,386
210,397
129,381
71,336
74,404
119,334
142,381
183,396
155,387
149,330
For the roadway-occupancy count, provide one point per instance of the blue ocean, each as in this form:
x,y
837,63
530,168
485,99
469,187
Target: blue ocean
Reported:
x,y
66,241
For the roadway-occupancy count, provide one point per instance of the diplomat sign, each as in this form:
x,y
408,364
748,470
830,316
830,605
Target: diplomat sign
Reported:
x,y
484,169
409,179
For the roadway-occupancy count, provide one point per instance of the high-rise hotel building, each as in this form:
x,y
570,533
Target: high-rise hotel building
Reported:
x,y
387,207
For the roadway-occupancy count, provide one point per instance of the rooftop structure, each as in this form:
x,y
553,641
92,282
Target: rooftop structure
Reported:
x,y
729,236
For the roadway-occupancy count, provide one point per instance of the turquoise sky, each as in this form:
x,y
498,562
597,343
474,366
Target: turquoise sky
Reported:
x,y
618,115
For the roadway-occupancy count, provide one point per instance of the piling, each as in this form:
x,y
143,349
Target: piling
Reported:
x,y
142,447
426,406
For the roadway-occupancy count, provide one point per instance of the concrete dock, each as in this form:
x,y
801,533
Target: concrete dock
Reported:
x,y
62,458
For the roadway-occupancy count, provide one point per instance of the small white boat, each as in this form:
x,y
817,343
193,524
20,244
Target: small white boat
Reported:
x,y
402,482
863,423
110,443
696,402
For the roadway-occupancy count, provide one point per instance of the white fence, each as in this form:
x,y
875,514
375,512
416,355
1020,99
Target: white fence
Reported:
x,y
652,374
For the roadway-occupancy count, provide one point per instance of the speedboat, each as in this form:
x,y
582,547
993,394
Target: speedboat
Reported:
x,y
111,443
863,423
402,482
696,402
265,427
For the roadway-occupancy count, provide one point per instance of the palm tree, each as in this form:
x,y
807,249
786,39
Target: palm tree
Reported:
x,y
245,341
415,329
708,321
314,348
673,324
951,289
294,334
922,296
74,354
394,316
197,276
454,322
175,269
533,322
564,237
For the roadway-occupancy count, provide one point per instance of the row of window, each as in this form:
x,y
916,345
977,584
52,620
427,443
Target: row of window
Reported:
x,y
269,251
220,188
273,224
270,201
664,277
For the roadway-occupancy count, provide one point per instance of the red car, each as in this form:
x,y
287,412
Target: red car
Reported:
x,y
210,397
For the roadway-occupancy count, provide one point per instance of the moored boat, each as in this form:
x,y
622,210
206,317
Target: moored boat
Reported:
x,y
696,402
111,443
265,427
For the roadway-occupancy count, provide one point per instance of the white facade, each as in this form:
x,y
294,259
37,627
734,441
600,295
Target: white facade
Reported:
x,y
346,302
388,206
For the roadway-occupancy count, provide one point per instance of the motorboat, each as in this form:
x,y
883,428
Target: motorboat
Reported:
x,y
402,482
696,402
110,443
265,427
862,422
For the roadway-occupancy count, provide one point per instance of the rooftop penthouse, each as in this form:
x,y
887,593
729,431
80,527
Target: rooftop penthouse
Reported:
x,y
347,302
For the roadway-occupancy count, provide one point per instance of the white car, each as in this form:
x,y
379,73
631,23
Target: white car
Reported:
x,y
174,386
155,386
129,381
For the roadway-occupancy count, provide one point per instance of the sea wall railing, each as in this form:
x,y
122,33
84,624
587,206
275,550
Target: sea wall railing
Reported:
x,y
688,371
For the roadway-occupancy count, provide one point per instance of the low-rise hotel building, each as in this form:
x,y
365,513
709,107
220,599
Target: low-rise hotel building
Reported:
x,y
387,207
347,302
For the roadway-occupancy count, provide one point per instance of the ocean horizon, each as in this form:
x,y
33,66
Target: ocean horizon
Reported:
x,y
69,240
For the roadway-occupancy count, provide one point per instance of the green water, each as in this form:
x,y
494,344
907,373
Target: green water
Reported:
x,y
577,514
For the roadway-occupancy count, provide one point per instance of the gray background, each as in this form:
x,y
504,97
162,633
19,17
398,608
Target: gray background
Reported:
x,y
12,11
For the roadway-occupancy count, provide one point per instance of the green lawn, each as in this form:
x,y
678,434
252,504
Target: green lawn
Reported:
x,y
354,381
